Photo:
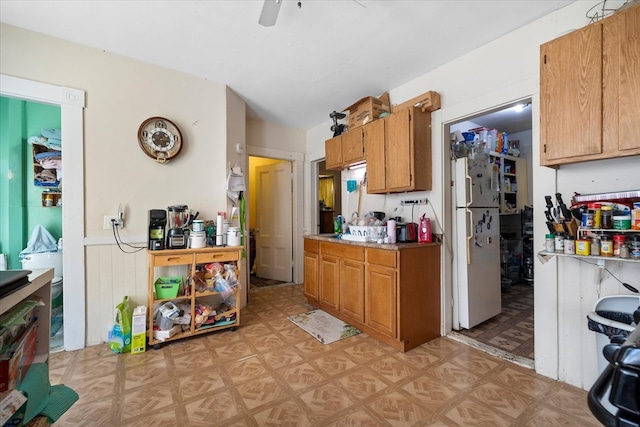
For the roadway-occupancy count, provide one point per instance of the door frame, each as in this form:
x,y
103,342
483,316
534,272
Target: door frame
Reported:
x,y
297,214
450,194
71,103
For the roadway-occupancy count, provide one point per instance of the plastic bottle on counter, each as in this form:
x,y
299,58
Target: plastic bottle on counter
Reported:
x,y
391,230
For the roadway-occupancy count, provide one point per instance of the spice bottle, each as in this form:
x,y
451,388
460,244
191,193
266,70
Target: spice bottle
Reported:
x,y
549,243
559,243
606,246
595,246
606,217
596,208
618,241
634,247
569,246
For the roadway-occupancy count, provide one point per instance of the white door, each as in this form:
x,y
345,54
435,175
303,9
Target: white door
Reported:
x,y
274,236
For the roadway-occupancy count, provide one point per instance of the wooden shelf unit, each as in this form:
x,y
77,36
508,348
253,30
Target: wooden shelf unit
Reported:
x,y
189,261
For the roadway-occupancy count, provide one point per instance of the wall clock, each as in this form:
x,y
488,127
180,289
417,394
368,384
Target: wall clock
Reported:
x,y
160,139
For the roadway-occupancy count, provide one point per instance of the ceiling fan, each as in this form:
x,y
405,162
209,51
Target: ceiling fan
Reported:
x,y
269,14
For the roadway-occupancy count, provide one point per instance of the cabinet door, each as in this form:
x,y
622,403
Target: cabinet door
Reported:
x,y
381,295
374,141
571,96
333,153
398,151
352,147
352,289
311,275
621,74
330,281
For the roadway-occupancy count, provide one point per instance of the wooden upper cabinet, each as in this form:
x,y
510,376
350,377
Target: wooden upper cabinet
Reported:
x,y
621,82
589,81
333,153
353,147
344,150
375,149
405,162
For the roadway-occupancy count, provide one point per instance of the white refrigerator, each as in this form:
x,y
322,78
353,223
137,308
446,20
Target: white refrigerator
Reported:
x,y
477,245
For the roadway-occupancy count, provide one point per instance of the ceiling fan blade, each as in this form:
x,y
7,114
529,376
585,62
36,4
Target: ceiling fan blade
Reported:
x,y
269,14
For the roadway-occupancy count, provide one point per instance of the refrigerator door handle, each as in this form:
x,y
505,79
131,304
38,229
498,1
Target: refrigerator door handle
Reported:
x,y
469,215
468,183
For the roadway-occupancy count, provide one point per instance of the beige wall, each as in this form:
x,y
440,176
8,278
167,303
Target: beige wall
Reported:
x,y
120,94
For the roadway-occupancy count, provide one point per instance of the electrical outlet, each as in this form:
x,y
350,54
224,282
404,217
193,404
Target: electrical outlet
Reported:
x,y
107,222
410,202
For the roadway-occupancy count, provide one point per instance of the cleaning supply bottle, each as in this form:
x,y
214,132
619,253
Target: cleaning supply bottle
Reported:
x,y
424,229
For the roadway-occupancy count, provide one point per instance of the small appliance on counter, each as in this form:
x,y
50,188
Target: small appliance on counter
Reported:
x,y
407,232
178,220
157,224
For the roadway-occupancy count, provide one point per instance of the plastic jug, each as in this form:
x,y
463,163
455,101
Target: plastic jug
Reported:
x,y
424,229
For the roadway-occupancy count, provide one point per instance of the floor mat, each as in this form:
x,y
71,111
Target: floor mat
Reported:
x,y
323,326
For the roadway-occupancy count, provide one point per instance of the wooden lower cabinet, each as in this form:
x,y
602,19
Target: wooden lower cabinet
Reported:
x,y
391,294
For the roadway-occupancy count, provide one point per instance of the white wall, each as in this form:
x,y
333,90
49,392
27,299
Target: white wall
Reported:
x,y
565,290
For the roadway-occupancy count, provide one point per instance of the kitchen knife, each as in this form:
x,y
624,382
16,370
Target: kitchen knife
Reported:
x,y
550,210
566,213
550,222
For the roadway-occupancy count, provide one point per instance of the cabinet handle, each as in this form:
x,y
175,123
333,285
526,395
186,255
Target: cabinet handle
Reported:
x,y
173,259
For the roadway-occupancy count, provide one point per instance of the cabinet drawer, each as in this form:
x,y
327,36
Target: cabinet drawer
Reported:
x,y
382,257
311,246
163,260
216,257
342,251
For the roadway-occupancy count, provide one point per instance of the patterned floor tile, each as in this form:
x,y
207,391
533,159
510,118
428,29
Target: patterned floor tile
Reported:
x,y
199,383
398,410
504,400
260,392
362,383
430,393
273,373
300,377
335,363
284,414
470,413
326,400
211,408
453,375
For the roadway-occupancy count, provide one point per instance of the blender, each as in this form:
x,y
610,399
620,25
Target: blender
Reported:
x,y
177,223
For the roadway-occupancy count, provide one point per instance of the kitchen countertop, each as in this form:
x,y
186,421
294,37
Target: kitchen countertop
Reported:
x,y
388,246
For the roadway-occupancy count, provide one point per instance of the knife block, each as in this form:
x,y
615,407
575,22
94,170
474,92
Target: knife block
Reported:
x,y
571,226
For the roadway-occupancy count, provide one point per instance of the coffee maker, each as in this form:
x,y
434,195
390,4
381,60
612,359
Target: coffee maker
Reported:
x,y
178,222
157,224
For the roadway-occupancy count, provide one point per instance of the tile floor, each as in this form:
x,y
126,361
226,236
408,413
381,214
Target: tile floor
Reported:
x,y
271,373
512,330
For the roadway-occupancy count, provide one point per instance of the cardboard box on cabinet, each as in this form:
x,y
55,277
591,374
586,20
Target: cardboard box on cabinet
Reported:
x,y
428,101
367,110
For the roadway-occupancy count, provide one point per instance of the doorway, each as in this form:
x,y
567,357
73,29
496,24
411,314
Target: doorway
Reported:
x,y
270,221
511,331
329,197
71,102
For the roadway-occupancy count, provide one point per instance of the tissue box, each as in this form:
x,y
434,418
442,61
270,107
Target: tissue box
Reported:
x,y
15,362
12,408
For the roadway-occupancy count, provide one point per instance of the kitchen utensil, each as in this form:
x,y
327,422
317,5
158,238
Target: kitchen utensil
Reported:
x,y
565,211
